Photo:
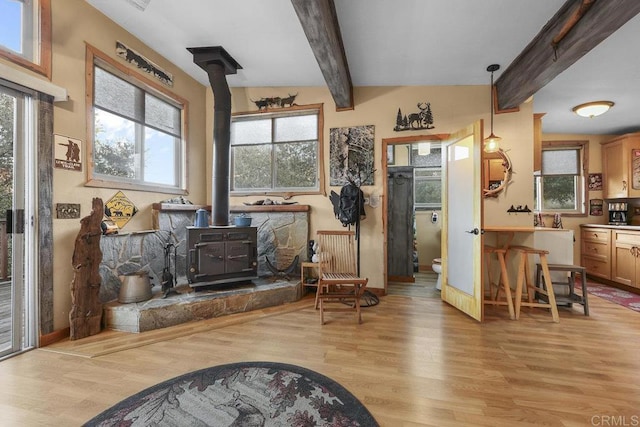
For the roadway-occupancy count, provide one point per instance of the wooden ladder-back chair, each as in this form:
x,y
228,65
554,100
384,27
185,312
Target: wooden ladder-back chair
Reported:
x,y
338,282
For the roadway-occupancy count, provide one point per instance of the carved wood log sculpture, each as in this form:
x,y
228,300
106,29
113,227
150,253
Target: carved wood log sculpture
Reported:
x,y
85,317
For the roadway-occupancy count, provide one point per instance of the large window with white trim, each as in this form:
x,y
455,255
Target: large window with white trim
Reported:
x,y
276,152
137,133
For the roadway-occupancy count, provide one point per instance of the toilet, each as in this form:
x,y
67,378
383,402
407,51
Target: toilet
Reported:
x,y
437,268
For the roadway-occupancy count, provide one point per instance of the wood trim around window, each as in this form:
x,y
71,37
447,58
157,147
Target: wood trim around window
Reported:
x,y
321,172
43,67
91,54
584,146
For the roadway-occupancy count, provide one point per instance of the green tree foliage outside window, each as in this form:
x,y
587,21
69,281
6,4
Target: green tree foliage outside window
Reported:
x,y
112,156
275,153
427,176
7,120
559,192
559,187
7,105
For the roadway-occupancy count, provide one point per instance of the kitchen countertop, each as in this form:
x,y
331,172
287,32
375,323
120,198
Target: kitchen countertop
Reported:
x,y
616,227
525,229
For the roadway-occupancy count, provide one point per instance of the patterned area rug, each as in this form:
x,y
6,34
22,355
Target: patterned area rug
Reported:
x,y
615,295
241,394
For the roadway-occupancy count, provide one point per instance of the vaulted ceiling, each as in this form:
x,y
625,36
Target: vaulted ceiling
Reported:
x,y
563,53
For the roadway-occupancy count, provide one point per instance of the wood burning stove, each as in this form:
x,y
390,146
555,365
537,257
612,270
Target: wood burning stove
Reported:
x,y
221,255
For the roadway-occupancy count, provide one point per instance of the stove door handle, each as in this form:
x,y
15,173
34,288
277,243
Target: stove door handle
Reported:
x,y
236,256
216,257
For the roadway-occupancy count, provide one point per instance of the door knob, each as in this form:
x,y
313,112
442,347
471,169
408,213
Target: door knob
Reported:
x,y
474,231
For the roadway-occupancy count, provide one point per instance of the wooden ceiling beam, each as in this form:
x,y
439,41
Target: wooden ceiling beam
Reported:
x,y
542,60
320,24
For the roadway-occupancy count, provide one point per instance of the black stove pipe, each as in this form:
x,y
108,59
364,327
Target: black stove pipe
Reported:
x,y
218,63
221,144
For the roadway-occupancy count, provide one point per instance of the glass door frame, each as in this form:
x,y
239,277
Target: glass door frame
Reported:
x,y
24,252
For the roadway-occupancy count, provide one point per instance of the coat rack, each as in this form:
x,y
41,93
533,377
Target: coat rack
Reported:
x,y
335,200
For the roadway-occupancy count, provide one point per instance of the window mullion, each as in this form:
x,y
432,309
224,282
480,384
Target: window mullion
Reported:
x,y
138,153
274,171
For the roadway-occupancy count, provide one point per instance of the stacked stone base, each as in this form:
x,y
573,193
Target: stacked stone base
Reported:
x,y
189,305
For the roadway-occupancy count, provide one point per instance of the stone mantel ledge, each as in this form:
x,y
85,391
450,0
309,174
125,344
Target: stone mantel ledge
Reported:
x,y
233,209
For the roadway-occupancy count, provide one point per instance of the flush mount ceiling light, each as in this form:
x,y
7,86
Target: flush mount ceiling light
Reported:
x,y
592,109
491,142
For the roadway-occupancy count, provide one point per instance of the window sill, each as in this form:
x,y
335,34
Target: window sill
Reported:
x,y
140,187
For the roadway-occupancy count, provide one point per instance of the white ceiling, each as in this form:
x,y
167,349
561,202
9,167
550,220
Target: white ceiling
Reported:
x,y
391,43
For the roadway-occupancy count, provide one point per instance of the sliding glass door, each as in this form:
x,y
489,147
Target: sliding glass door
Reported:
x,y
17,295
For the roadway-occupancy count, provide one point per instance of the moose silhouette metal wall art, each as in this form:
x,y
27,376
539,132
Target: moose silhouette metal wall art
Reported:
x,y
275,101
422,119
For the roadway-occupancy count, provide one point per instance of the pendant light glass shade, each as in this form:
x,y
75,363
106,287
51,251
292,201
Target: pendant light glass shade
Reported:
x,y
592,109
491,144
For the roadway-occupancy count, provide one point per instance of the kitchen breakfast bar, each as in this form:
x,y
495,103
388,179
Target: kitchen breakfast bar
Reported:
x,y
554,250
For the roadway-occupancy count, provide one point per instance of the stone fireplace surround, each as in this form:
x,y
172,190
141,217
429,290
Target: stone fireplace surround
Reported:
x,y
283,233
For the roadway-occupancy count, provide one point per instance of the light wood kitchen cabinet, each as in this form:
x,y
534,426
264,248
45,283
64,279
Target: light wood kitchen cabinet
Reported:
x,y
596,251
618,160
625,258
537,141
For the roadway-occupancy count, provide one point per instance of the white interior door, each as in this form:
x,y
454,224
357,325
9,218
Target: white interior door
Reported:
x,y
462,217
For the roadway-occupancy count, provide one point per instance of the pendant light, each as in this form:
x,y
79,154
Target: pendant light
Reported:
x,y
491,142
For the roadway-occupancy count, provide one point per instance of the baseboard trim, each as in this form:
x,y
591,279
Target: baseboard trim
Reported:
x,y
56,336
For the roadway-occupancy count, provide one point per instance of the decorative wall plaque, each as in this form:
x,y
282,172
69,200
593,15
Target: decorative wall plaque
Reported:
x,y
119,209
421,119
144,64
595,181
67,153
68,210
351,154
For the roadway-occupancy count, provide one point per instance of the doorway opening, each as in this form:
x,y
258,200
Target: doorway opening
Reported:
x,y
411,218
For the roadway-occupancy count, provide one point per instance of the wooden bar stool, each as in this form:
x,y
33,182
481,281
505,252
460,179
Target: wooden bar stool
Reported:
x,y
502,282
524,281
571,297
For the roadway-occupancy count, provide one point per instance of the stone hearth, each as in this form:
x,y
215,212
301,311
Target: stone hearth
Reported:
x,y
189,305
282,234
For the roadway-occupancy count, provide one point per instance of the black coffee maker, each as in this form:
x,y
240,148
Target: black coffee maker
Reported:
x,y
618,213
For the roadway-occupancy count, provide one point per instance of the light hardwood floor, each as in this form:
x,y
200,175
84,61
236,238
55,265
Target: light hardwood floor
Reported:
x,y
424,286
413,362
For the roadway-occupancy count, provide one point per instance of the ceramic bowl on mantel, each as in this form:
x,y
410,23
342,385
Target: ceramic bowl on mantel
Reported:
x,y
242,221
